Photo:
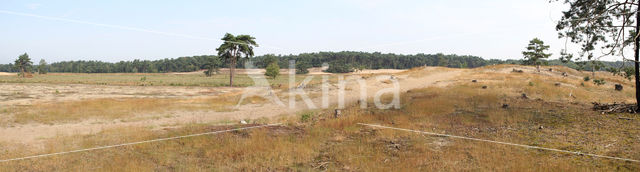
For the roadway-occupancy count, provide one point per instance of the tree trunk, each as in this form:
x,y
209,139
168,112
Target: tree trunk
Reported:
x,y
232,67
22,72
637,42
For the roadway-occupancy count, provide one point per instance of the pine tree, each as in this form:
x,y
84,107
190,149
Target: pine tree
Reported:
x,y
535,52
23,64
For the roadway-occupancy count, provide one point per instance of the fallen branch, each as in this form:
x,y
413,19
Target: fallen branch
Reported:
x,y
614,107
625,118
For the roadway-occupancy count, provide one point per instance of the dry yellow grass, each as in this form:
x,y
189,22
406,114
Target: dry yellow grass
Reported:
x,y
148,79
315,141
543,85
112,108
340,144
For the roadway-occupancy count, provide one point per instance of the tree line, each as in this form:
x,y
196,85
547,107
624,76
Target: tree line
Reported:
x,y
339,62
188,64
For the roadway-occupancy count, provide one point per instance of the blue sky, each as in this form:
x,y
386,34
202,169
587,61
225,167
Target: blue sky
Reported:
x,y
126,30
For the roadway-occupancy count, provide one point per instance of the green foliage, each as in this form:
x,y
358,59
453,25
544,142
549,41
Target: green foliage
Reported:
x,y
535,51
629,72
626,72
586,78
565,57
144,78
599,81
23,64
235,47
268,59
530,83
212,66
356,59
339,67
306,116
580,25
597,65
302,67
194,63
42,67
581,65
604,24
360,68
614,71
273,70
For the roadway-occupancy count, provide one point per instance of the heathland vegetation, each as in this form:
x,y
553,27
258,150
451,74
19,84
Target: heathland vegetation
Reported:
x,y
552,115
489,115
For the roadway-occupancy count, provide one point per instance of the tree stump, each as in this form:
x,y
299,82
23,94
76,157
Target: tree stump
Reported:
x,y
618,87
474,80
484,87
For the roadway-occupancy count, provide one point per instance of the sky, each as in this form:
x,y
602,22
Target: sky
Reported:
x,y
125,30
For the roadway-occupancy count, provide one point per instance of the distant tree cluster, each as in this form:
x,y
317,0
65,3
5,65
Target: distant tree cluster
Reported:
x,y
339,67
376,60
304,61
302,67
181,64
339,62
212,66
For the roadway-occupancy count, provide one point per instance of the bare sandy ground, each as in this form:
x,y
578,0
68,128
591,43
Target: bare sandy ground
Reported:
x,y
27,94
238,71
7,74
312,71
380,71
31,134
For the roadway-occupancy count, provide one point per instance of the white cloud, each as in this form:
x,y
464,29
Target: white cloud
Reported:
x,y
33,6
67,14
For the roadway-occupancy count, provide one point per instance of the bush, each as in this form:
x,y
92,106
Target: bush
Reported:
x,y
339,67
306,117
273,70
302,68
599,81
212,66
629,72
586,78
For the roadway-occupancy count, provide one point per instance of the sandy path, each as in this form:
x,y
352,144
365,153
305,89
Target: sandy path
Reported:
x,y
31,134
